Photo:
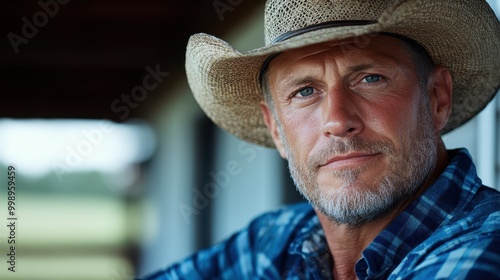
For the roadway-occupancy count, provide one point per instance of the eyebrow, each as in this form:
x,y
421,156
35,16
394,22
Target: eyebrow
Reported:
x,y
293,82
361,67
297,81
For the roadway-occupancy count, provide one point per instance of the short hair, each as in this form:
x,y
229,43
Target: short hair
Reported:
x,y
421,58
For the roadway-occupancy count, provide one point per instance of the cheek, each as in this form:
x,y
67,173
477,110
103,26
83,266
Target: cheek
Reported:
x,y
302,130
395,119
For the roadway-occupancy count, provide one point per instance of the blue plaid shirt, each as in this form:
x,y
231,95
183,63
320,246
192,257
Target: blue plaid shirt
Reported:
x,y
452,231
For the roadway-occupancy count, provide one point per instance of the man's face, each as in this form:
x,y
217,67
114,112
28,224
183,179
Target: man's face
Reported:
x,y
354,124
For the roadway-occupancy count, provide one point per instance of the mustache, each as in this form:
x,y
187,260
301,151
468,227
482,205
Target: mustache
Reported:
x,y
350,145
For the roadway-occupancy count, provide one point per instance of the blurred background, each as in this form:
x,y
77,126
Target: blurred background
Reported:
x,y
119,173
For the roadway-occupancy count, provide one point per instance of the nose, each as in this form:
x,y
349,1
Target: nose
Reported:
x,y
341,113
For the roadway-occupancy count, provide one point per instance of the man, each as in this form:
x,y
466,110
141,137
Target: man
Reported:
x,y
355,95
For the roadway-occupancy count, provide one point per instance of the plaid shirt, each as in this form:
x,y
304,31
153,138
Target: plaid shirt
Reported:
x,y
452,231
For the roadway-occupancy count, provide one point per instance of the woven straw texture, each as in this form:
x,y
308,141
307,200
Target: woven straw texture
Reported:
x,y
462,35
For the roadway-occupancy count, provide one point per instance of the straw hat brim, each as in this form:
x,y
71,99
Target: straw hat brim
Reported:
x,y
226,83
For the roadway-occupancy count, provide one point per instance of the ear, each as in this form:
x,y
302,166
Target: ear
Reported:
x,y
273,128
440,90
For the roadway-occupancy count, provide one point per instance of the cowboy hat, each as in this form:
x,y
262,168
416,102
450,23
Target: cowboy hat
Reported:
x,y
462,35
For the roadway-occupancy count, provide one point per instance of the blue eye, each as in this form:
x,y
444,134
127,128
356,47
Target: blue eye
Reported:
x,y
305,91
372,78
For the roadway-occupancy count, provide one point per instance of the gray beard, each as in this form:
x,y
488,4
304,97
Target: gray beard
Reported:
x,y
356,205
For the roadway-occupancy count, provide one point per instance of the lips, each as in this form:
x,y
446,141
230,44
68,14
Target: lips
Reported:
x,y
348,160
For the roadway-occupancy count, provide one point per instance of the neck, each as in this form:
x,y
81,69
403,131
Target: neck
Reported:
x,y
346,243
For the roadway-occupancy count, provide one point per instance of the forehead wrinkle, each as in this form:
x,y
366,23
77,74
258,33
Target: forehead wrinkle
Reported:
x,y
296,81
379,56
293,73
324,58
316,62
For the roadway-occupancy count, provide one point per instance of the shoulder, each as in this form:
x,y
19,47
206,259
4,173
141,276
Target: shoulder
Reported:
x,y
284,219
475,256
272,232
472,226
481,215
466,247
486,199
256,249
